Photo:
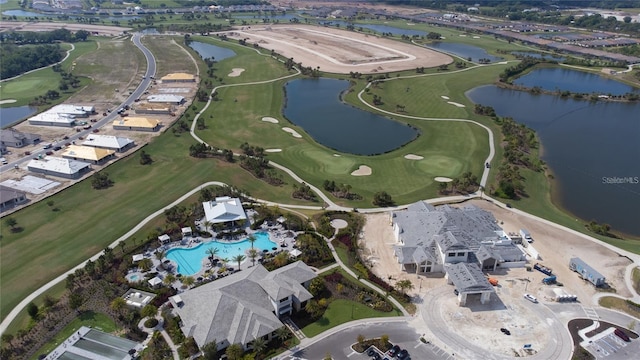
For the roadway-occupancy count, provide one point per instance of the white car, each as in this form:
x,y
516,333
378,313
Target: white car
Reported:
x,y
531,298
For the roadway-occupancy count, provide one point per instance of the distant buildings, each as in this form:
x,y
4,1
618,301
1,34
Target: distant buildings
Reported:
x,y
243,306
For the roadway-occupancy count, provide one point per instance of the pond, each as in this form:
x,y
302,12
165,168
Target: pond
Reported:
x,y
12,115
22,13
206,51
573,80
380,28
280,17
464,51
591,148
539,55
315,105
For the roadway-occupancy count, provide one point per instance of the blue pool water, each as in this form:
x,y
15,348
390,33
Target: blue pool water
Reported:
x,y
189,261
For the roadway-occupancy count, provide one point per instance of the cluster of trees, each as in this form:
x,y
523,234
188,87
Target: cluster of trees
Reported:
x,y
212,192
202,150
484,110
342,191
101,180
304,192
260,168
43,37
382,199
17,60
45,99
145,158
466,183
600,229
250,150
525,64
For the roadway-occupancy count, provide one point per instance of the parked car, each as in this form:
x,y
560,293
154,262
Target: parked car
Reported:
x,y
508,205
49,152
505,331
376,356
531,298
621,334
27,153
455,292
96,130
403,354
371,351
56,148
395,349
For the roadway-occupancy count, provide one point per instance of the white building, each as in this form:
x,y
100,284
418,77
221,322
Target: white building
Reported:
x,y
166,98
119,144
55,166
224,209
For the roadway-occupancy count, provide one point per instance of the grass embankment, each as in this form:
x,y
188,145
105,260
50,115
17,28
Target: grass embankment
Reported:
x,y
635,279
173,57
29,86
615,303
90,319
11,5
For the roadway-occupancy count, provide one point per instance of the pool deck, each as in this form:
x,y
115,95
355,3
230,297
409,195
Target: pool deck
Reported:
x,y
285,240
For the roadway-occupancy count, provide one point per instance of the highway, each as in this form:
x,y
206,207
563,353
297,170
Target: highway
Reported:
x,y
138,92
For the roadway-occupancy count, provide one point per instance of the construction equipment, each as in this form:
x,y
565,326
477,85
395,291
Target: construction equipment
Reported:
x,y
543,269
549,280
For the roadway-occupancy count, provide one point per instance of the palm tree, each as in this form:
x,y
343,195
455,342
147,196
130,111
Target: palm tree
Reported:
x,y
169,279
160,255
253,254
188,281
118,304
282,333
212,252
258,345
404,285
239,258
252,239
145,264
207,225
281,259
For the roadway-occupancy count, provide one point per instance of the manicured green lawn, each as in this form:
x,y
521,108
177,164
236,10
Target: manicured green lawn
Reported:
x,y
11,5
341,311
25,88
89,220
90,319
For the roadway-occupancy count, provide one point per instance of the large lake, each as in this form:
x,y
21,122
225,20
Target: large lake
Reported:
x,y
552,79
586,145
206,51
464,51
314,105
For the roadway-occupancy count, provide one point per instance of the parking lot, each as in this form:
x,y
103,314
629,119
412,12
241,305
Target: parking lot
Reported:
x,y
607,345
338,345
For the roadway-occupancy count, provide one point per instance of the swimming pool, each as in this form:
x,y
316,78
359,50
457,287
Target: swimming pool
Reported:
x,y
189,261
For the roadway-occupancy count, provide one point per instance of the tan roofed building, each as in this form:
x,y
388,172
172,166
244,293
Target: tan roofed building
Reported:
x,y
178,77
136,123
88,154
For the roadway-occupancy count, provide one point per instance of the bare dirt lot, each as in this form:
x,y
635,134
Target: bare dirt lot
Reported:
x,y
507,306
339,51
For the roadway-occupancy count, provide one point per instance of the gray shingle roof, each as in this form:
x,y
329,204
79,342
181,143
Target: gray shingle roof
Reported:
x,y
238,308
468,278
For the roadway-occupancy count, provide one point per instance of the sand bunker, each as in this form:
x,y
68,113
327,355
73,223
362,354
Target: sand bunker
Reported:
x,y
270,119
476,37
8,101
455,104
413,157
363,170
337,155
442,179
235,72
444,97
272,150
293,133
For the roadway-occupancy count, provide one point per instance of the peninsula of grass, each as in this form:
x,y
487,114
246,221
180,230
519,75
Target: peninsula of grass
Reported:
x,y
615,303
90,319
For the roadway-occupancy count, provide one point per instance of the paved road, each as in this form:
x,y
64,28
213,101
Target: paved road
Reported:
x,y
338,343
151,71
